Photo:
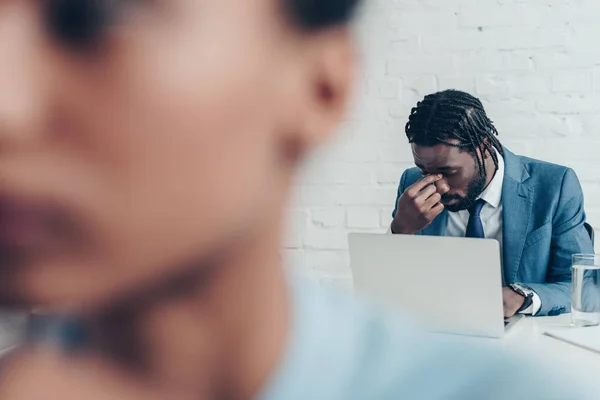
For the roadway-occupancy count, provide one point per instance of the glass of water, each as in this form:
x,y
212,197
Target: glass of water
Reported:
x,y
585,300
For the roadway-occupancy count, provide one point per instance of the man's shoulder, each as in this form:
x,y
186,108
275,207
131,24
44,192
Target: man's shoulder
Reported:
x,y
549,179
539,169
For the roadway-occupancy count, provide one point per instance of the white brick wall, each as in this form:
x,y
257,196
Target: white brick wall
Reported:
x,y
534,63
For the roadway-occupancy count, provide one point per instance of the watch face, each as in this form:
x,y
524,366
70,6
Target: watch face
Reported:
x,y
519,289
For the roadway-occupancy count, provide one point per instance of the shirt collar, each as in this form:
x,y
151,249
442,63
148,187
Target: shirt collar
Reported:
x,y
493,193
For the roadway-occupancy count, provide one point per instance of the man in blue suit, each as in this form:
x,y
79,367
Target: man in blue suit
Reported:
x,y
466,184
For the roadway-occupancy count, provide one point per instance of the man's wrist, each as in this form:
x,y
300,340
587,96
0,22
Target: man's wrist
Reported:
x,y
528,297
397,229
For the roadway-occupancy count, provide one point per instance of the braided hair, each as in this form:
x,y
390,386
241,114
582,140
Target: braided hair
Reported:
x,y
452,114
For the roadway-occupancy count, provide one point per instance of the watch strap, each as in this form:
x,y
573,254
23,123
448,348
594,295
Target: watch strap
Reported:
x,y
527,303
527,295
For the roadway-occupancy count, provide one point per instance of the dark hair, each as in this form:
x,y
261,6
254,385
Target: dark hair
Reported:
x,y
452,114
313,15
79,23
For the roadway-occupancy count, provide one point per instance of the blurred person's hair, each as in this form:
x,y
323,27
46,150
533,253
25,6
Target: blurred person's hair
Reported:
x,y
313,15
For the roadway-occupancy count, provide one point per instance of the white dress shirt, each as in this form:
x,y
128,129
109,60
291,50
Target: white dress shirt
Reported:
x,y
491,219
491,213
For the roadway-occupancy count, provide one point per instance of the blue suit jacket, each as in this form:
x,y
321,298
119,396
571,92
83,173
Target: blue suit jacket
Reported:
x,y
543,219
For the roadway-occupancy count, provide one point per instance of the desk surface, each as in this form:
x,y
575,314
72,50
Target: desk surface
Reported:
x,y
528,335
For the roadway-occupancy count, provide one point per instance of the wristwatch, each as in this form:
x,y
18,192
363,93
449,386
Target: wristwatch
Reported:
x,y
525,292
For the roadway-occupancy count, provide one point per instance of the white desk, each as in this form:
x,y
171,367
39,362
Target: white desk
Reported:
x,y
528,335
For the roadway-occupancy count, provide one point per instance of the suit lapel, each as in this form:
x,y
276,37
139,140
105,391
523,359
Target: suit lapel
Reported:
x,y
438,226
517,206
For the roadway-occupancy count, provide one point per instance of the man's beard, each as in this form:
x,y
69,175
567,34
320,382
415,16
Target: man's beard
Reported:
x,y
476,187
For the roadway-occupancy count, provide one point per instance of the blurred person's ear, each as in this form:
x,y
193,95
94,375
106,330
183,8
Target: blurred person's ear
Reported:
x,y
320,99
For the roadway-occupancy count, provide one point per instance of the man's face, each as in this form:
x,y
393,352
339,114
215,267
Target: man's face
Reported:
x,y
154,149
460,173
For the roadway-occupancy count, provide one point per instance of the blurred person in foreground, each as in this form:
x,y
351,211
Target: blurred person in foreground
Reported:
x,y
146,153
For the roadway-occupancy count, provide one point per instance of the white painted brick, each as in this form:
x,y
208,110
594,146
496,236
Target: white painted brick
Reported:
x,y
384,88
343,173
531,83
569,105
583,11
524,38
394,135
403,22
356,148
591,192
493,39
486,61
321,239
534,126
315,195
409,45
572,81
575,126
508,108
518,60
365,196
386,216
505,86
583,36
517,145
535,64
390,173
328,261
490,15
363,217
495,87
540,3
397,150
420,85
298,224
375,109
591,125
400,110
330,217
466,84
425,64
593,217
564,60
452,41
559,13
565,151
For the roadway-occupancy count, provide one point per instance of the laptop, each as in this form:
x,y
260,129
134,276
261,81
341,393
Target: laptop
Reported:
x,y
454,285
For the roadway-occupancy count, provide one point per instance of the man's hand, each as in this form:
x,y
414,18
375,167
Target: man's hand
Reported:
x,y
512,301
419,205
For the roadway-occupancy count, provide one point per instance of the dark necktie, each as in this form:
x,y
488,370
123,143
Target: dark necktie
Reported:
x,y
475,227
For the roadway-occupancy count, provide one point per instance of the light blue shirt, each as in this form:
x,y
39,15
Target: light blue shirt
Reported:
x,y
343,349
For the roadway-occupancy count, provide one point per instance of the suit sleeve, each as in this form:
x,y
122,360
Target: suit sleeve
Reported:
x,y
569,237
